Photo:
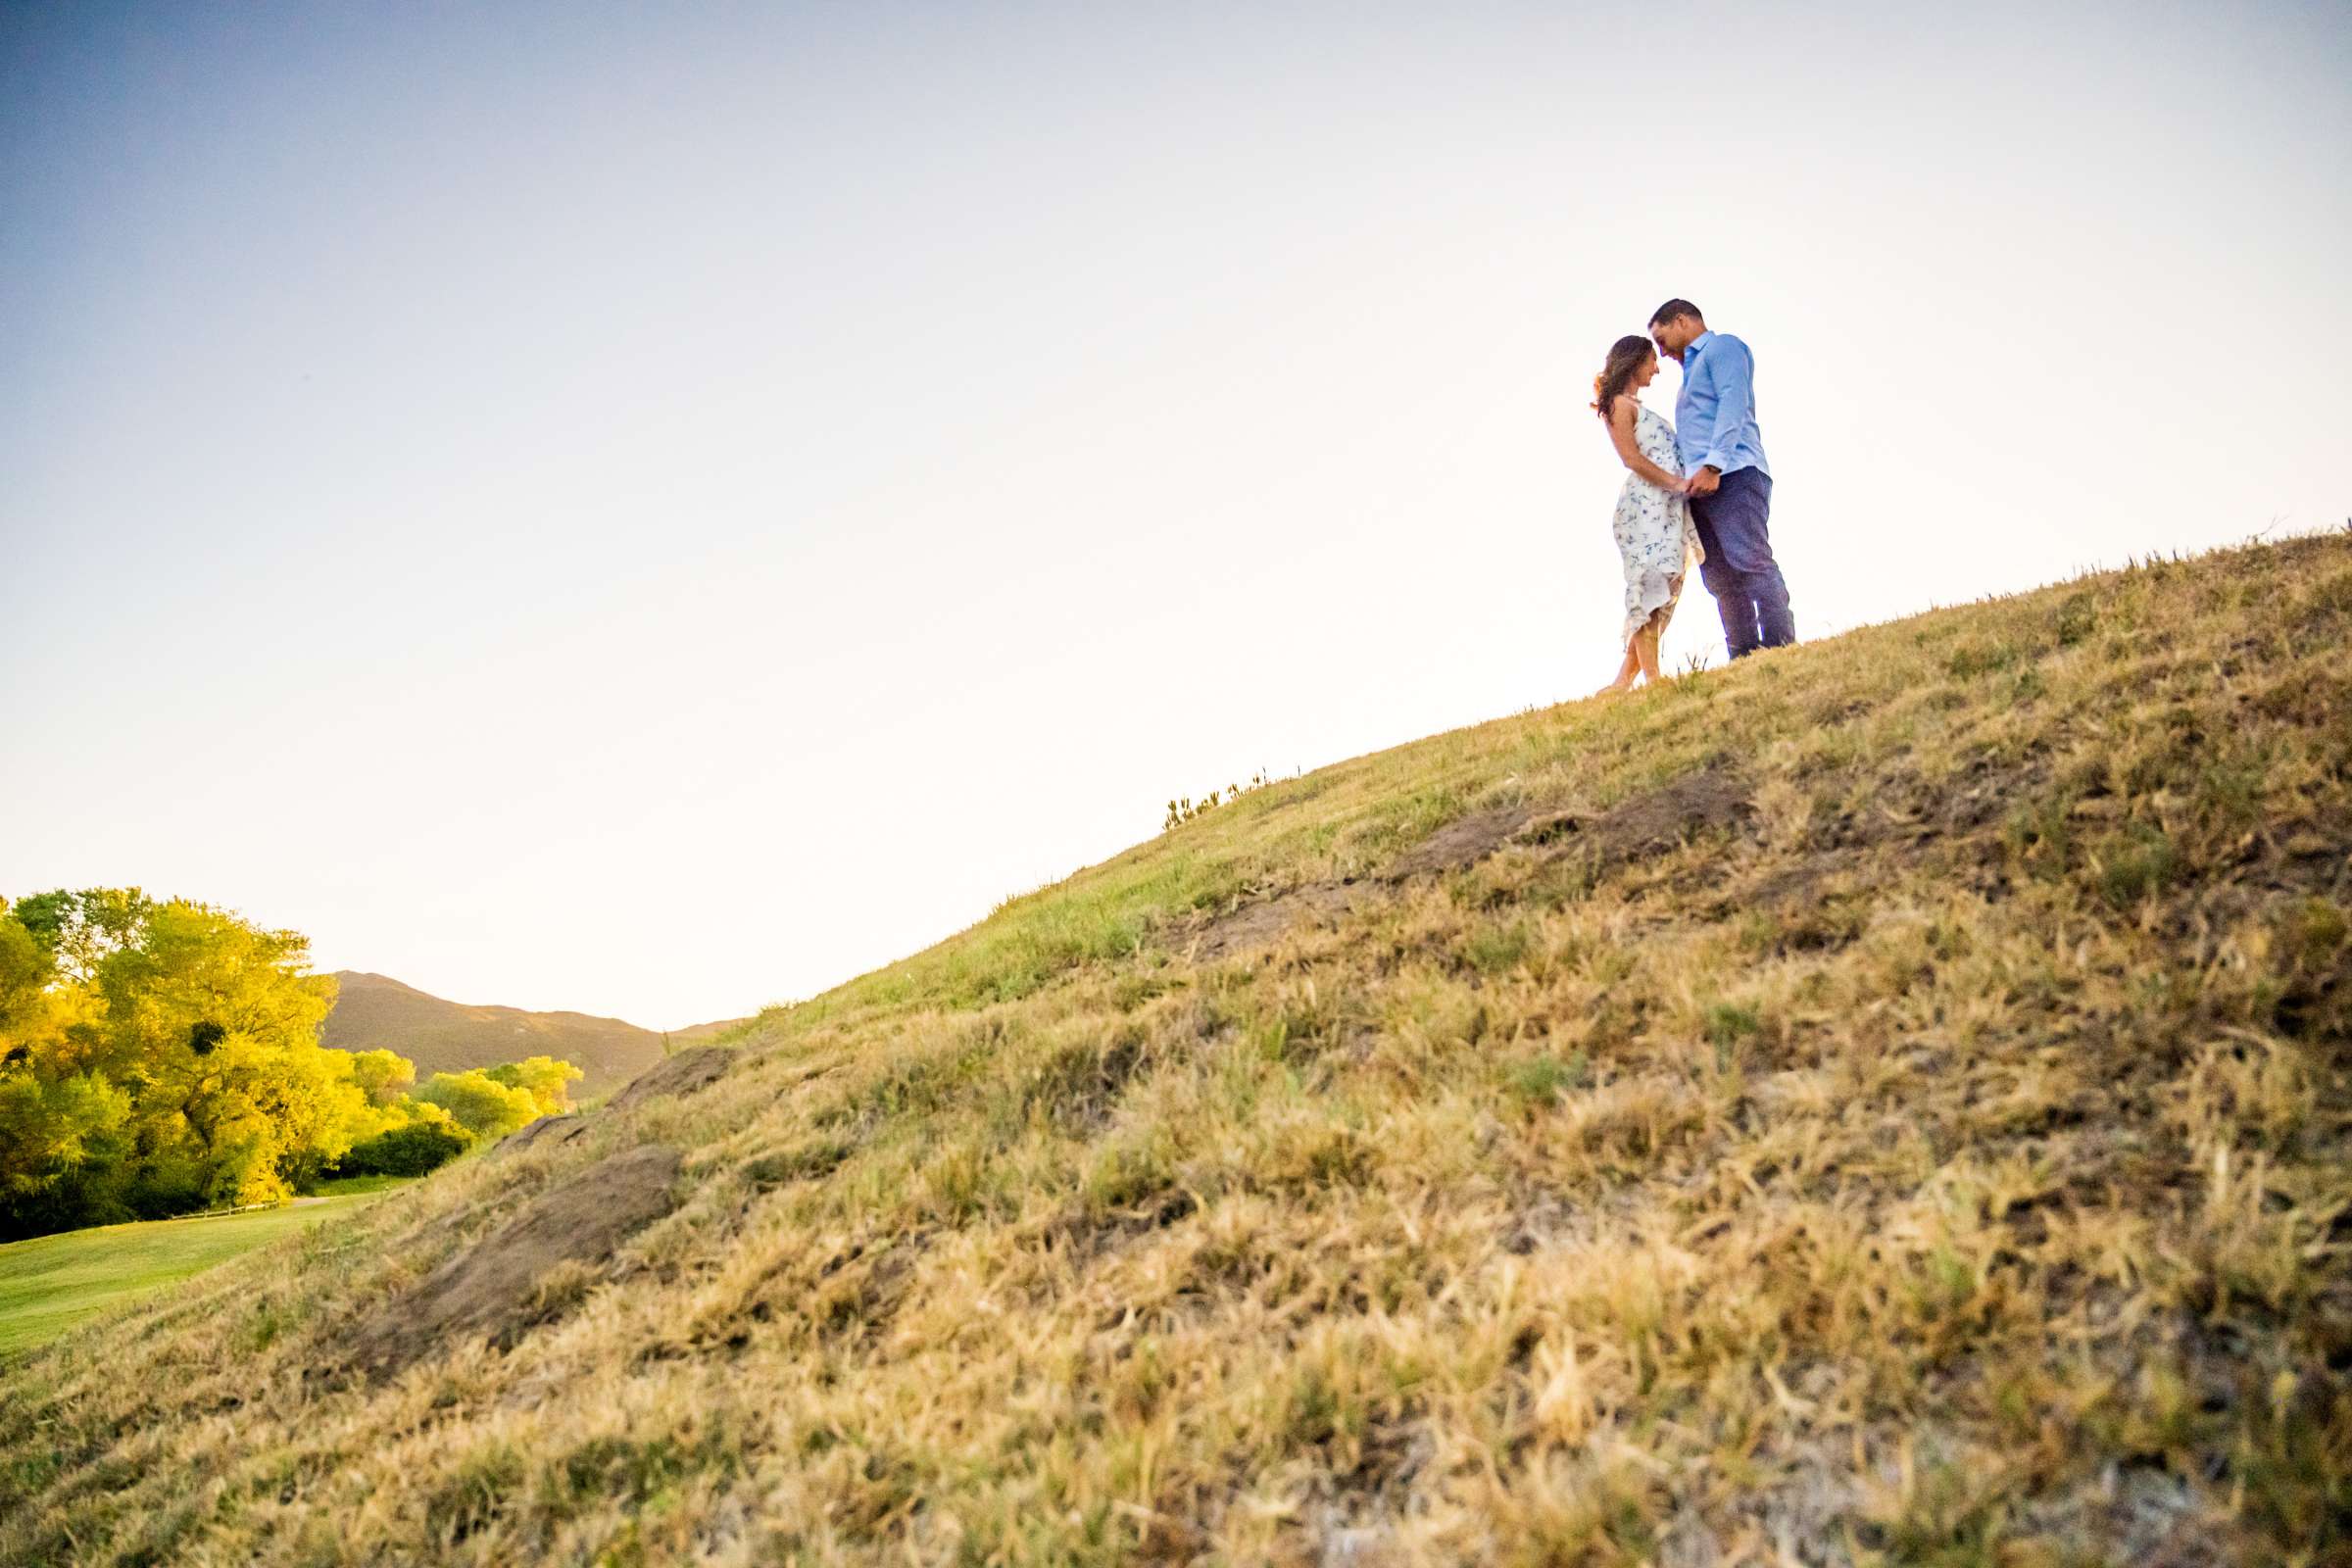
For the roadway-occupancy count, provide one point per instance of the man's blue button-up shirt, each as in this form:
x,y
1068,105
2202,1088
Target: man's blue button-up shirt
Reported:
x,y
1715,413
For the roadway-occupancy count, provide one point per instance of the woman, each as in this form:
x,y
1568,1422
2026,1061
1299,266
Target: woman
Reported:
x,y
1654,534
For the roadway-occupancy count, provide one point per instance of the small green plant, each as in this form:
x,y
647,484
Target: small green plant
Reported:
x,y
1980,659
2229,789
1184,808
2334,594
1497,949
2041,834
2077,618
1538,1080
2136,867
1730,1022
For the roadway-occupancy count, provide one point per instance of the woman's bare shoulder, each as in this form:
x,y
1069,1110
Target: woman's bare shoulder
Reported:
x,y
1623,410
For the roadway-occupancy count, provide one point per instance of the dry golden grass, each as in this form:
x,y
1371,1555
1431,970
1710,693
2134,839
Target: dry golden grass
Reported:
x,y
1940,1159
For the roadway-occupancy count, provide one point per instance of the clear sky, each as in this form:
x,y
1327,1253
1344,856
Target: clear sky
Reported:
x,y
658,509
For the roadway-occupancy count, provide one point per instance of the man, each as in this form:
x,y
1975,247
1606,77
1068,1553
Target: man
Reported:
x,y
1724,473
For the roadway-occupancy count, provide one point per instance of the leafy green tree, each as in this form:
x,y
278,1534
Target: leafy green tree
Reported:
x,y
543,1078
27,967
55,1130
79,930
160,1057
479,1102
163,1056
213,1024
383,1076
64,1130
383,1080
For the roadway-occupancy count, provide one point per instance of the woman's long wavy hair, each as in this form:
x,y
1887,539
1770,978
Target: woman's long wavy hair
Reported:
x,y
1625,356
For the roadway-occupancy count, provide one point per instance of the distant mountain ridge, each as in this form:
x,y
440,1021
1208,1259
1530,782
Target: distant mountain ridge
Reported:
x,y
375,1011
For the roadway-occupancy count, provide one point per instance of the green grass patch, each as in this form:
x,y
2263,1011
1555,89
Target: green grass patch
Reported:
x,y
346,1185
51,1283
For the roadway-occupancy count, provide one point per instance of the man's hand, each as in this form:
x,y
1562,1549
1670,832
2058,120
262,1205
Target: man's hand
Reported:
x,y
1703,482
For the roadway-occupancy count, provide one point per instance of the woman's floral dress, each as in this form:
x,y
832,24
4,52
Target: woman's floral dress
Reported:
x,y
1654,532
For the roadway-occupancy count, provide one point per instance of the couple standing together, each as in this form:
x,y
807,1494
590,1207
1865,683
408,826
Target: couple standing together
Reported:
x,y
1698,490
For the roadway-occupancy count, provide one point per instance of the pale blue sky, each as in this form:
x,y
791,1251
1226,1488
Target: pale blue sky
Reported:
x,y
654,511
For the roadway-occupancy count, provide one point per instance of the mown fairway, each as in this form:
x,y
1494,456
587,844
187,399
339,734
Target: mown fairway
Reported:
x,y
51,1283
1886,1101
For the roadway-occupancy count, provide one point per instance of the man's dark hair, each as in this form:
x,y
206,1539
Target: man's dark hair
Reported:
x,y
1675,311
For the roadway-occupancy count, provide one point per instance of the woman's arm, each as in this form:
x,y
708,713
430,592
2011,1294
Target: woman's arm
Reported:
x,y
1621,431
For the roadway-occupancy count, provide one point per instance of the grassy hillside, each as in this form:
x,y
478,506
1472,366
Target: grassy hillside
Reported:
x,y
1886,1101
50,1282
373,1011
696,1034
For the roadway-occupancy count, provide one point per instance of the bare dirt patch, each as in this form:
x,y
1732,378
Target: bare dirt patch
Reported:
x,y
1648,823
1665,818
552,1131
1255,924
1465,841
682,1074
491,1289
689,1070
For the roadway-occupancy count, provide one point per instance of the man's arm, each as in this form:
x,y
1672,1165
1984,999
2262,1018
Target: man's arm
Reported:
x,y
1732,370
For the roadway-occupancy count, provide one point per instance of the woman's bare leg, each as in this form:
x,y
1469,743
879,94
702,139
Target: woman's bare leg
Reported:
x,y
1654,632
1626,671
1644,649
